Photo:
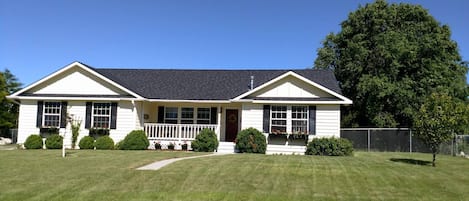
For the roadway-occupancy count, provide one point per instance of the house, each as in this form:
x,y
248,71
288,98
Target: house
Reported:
x,y
175,105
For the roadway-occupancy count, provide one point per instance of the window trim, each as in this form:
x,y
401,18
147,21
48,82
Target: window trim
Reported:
x,y
195,115
93,115
289,119
44,114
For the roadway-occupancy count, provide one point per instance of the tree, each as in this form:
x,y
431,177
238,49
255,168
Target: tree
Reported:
x,y
439,119
387,59
8,110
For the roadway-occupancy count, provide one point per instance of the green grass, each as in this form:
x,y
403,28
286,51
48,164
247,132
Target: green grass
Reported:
x,y
110,175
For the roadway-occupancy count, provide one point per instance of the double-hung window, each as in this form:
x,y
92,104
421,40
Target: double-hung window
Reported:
x,y
101,115
279,119
51,114
289,119
299,119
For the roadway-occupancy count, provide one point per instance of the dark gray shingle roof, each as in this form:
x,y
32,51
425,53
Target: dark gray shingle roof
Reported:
x,y
203,84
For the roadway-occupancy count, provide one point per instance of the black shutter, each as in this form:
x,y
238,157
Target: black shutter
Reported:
x,y
88,114
40,106
312,120
63,114
160,114
113,115
213,115
266,119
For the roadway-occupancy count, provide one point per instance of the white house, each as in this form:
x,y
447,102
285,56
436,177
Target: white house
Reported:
x,y
174,105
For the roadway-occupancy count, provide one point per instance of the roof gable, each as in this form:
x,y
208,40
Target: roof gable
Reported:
x,y
74,80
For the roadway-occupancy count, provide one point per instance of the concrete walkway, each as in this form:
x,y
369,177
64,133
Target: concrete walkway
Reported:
x,y
160,164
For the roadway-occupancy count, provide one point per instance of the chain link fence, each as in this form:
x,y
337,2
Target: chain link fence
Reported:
x,y
398,140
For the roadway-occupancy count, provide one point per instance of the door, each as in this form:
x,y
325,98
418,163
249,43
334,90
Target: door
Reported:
x,y
231,125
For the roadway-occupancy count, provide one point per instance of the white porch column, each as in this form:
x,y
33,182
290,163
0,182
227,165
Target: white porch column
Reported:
x,y
218,122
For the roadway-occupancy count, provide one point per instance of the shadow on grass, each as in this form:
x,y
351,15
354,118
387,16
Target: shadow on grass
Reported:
x,y
411,161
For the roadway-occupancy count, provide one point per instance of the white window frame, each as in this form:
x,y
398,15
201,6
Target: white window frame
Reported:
x,y
289,119
185,118
171,118
93,115
203,119
51,106
304,117
274,117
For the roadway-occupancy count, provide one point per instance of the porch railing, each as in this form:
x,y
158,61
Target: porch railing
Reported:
x,y
158,131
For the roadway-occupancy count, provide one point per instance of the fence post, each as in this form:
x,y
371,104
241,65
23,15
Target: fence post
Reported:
x,y
368,140
410,140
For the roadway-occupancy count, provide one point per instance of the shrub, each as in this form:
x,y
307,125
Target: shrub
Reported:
x,y
33,142
171,146
54,141
157,146
86,142
251,140
118,145
184,147
330,147
135,140
205,141
104,142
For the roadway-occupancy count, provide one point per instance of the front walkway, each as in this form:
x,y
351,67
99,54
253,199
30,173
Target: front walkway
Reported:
x,y
160,164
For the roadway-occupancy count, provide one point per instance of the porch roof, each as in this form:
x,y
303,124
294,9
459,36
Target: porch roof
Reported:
x,y
204,84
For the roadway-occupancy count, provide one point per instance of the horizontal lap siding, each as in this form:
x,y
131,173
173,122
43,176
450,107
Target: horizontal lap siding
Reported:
x,y
126,121
251,116
328,120
27,120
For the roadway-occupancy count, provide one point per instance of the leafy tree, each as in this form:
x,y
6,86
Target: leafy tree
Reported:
x,y
438,119
387,59
8,110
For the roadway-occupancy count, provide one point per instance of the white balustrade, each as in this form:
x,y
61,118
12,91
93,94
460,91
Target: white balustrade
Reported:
x,y
157,131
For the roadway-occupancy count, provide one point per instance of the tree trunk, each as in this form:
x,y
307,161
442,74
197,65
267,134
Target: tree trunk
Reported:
x,y
434,158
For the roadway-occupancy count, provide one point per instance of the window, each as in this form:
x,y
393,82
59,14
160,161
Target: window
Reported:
x,y
289,119
101,115
51,114
203,115
187,115
279,119
299,122
171,115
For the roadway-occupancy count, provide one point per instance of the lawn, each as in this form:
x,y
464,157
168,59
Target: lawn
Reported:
x,y
110,175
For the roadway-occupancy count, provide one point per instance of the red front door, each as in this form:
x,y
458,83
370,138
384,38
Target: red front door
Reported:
x,y
231,125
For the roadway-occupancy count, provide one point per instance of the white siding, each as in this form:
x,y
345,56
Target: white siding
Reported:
x,y
328,120
126,121
27,120
251,116
291,87
76,81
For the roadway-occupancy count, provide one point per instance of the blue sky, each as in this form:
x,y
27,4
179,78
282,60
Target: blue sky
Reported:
x,y
39,37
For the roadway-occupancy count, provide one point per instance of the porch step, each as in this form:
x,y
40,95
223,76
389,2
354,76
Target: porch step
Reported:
x,y
285,149
226,147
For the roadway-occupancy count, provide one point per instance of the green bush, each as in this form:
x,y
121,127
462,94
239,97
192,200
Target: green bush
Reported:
x,y
205,141
330,147
54,141
33,142
104,142
157,146
251,140
135,140
86,142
